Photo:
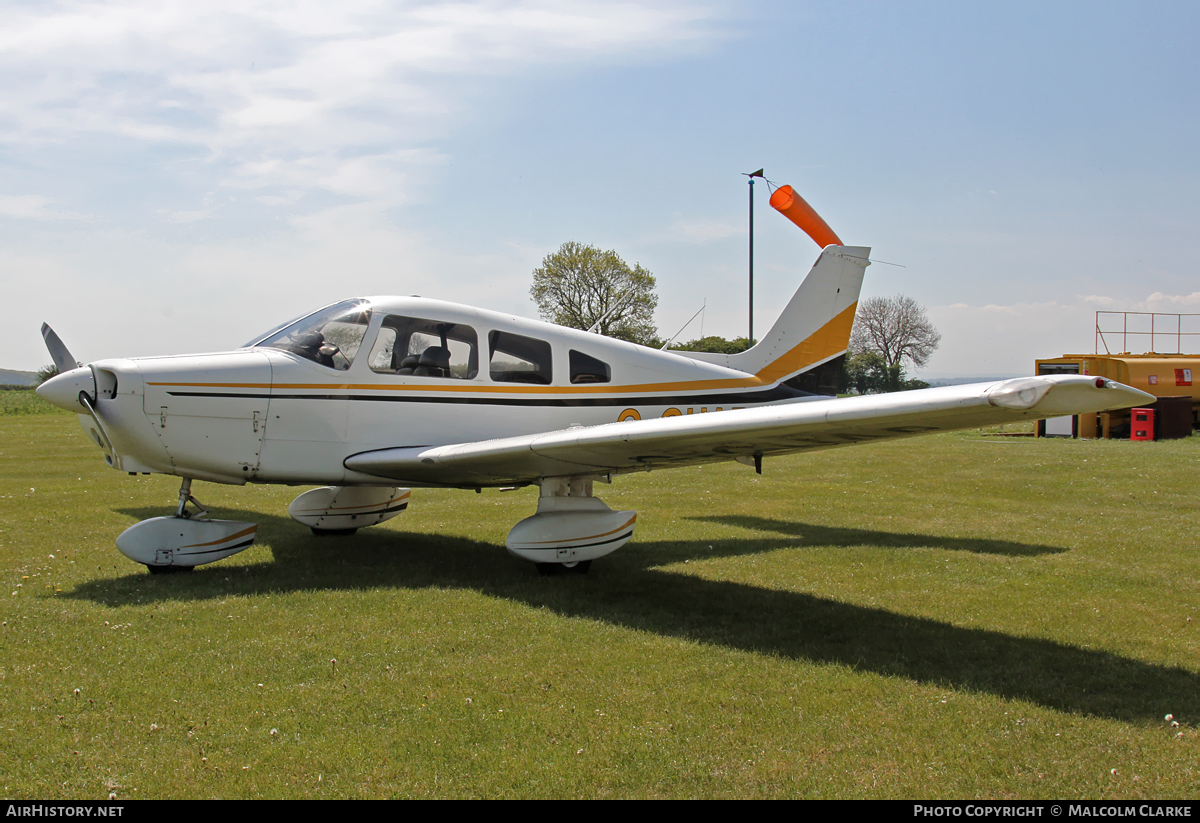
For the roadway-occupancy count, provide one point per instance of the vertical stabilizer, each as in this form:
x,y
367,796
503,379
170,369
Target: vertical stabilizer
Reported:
x,y
815,326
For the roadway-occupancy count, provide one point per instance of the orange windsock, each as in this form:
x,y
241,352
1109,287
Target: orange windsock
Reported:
x,y
794,208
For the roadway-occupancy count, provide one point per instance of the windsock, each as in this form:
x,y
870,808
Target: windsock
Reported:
x,y
794,208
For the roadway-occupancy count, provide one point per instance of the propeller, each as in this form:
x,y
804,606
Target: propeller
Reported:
x,y
65,388
63,361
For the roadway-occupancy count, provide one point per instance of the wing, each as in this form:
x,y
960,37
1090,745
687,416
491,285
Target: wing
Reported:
x,y
640,445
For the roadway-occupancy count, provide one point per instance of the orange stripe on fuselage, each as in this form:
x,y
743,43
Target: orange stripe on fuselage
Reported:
x,y
827,341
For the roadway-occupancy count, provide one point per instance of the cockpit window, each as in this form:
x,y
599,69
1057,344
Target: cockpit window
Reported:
x,y
330,337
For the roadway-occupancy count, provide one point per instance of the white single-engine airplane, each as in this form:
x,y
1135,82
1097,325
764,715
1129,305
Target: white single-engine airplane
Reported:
x,y
372,395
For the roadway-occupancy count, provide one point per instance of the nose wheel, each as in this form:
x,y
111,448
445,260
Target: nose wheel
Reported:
x,y
150,567
189,538
552,569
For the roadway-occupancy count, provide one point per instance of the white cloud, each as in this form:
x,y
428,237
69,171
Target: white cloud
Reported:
x,y
304,91
213,295
33,207
702,231
192,216
1165,302
287,100
1004,339
368,176
286,198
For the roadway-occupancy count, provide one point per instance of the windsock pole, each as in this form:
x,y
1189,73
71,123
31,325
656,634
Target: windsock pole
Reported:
x,y
752,175
751,333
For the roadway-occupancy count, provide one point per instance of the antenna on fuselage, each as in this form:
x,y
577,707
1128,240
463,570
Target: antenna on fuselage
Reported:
x,y
615,306
685,325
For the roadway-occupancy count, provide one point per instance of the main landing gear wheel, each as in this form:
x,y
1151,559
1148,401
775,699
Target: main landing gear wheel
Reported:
x,y
343,510
167,569
571,528
548,569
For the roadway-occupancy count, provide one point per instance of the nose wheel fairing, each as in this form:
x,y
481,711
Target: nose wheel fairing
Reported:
x,y
176,541
185,539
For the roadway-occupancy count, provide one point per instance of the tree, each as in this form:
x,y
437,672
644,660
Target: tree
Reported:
x,y
714,344
868,373
896,329
579,285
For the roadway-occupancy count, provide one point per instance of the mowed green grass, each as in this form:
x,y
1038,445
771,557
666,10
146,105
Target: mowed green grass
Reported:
x,y
951,616
21,401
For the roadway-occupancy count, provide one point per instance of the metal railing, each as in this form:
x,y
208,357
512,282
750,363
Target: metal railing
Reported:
x,y
1160,329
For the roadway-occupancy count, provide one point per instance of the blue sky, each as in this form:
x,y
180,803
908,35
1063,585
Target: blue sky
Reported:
x,y
178,176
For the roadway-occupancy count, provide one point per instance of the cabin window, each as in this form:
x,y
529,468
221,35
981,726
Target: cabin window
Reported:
x,y
587,369
330,337
519,359
425,348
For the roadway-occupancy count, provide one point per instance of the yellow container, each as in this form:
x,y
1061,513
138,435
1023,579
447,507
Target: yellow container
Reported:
x,y
1162,375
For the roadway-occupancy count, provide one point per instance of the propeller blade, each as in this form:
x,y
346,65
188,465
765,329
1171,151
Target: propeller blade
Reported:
x,y
63,361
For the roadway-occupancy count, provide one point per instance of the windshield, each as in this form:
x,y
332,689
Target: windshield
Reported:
x,y
330,337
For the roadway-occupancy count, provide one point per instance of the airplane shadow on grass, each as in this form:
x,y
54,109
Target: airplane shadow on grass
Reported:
x,y
628,590
807,534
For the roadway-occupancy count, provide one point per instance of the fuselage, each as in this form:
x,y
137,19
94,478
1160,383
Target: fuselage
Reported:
x,y
388,372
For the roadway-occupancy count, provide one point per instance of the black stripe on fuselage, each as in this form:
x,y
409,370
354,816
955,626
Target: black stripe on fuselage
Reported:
x,y
775,393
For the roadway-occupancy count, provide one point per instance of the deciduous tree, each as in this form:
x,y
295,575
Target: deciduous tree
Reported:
x,y
866,373
713,343
895,328
580,285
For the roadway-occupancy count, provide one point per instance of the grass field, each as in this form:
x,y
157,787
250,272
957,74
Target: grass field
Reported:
x,y
952,616
22,401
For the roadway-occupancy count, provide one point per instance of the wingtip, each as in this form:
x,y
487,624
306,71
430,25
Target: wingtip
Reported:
x,y
1065,394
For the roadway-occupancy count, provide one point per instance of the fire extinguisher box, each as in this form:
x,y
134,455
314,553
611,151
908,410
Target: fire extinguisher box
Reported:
x,y
1141,424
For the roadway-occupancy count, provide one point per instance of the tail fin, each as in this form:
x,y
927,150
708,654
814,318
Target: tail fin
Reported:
x,y
814,328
